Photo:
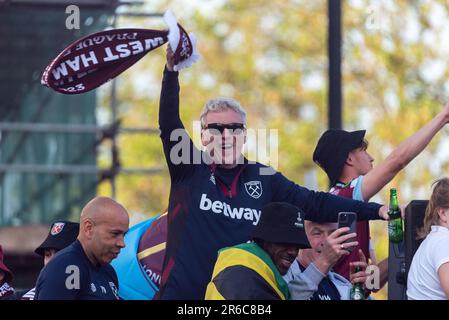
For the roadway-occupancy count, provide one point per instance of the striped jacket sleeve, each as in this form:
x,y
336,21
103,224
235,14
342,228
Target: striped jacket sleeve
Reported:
x,y
240,283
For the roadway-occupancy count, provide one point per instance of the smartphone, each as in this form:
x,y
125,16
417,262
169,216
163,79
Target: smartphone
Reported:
x,y
348,219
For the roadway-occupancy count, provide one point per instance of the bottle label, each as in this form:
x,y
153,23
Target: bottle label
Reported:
x,y
395,231
357,296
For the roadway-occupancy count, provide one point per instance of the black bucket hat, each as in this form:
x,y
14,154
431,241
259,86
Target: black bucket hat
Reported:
x,y
333,148
61,234
282,222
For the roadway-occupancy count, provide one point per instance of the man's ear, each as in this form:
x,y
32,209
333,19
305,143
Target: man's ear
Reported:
x,y
203,138
349,159
206,137
88,227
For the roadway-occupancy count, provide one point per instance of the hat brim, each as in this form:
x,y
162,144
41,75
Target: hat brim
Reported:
x,y
40,250
48,244
282,235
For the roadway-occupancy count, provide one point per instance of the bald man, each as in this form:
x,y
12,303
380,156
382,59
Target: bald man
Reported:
x,y
82,271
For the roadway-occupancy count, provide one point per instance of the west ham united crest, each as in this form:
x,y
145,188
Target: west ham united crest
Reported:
x,y
57,228
254,189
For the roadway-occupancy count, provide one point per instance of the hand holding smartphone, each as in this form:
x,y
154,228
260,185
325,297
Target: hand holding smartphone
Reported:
x,y
348,219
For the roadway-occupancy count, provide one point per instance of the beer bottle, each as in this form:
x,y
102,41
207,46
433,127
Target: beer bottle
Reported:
x,y
357,292
395,231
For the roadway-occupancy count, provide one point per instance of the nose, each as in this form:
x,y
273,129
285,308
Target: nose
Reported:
x,y
293,250
121,242
226,133
321,243
226,136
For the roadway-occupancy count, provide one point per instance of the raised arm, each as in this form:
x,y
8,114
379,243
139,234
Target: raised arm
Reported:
x,y
383,173
178,147
169,119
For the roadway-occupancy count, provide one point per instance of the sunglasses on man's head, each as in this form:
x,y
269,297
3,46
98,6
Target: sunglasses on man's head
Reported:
x,y
218,128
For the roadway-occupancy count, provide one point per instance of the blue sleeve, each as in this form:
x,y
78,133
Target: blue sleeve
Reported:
x,y
61,279
357,193
179,150
320,206
302,285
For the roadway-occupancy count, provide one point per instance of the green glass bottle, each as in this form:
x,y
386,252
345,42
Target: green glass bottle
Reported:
x,y
357,292
395,230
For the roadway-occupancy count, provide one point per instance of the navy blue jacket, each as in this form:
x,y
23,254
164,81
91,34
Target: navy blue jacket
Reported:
x,y
211,208
71,276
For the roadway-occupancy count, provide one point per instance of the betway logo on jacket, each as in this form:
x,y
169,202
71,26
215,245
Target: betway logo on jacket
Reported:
x,y
249,214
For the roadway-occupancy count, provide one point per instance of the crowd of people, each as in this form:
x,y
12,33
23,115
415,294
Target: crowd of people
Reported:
x,y
229,222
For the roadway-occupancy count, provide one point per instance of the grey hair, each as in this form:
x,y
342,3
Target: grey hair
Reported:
x,y
222,104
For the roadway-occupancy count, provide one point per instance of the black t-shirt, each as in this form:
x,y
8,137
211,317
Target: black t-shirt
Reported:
x,y
71,276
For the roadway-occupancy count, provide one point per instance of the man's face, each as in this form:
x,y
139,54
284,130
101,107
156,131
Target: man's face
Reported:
x,y
223,144
317,234
108,237
361,160
282,254
48,254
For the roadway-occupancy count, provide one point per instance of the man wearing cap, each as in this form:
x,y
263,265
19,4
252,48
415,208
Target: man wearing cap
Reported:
x,y
343,156
253,271
60,235
82,271
216,195
6,290
311,275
